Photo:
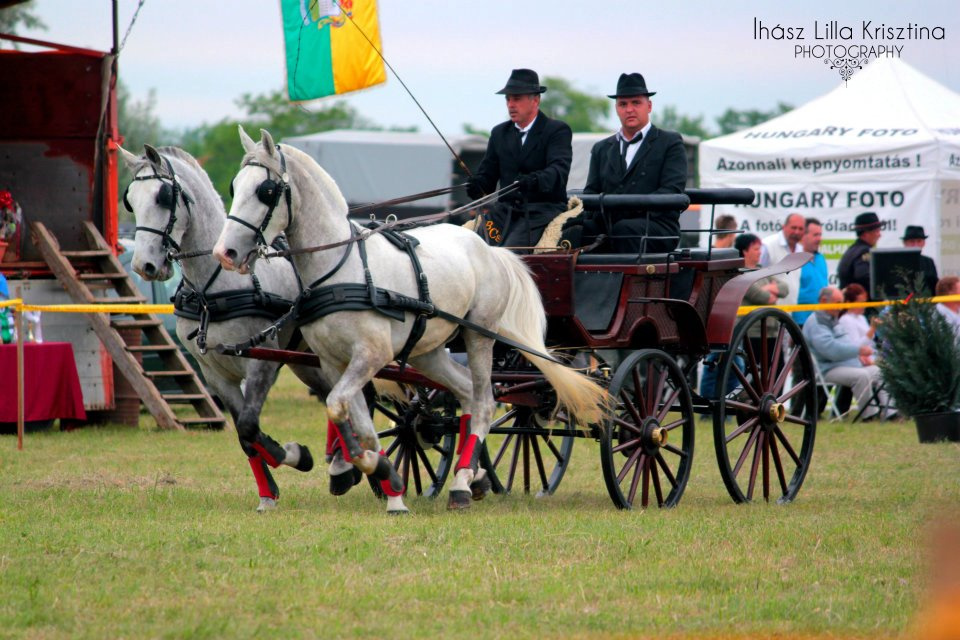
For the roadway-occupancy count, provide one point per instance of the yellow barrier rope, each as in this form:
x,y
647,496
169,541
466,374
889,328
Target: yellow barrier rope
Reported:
x,y
134,309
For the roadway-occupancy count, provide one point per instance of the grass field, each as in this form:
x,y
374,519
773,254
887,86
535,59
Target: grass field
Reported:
x,y
135,533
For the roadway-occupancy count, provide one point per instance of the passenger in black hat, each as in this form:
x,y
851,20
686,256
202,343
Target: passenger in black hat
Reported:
x,y
855,263
914,236
532,150
638,159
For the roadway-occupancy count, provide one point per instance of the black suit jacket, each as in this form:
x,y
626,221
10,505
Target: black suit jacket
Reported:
x,y
659,166
546,154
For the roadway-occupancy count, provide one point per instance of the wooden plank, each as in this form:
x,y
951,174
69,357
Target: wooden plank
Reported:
x,y
123,355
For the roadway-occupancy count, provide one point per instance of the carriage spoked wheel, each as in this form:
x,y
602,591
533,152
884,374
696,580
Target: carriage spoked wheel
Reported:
x,y
518,455
646,444
420,439
763,429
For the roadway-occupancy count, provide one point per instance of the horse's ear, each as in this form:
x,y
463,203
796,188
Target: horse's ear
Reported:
x,y
267,141
248,144
128,158
153,156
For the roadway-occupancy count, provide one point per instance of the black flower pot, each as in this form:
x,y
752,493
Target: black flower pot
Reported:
x,y
937,427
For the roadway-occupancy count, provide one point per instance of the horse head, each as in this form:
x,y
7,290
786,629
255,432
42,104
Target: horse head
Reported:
x,y
261,206
155,196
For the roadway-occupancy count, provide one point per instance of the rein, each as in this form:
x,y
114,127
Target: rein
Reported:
x,y
405,223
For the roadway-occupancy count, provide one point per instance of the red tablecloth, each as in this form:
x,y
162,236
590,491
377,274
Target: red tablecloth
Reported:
x,y
51,385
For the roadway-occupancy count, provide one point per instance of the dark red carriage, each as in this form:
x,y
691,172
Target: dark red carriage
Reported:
x,y
641,324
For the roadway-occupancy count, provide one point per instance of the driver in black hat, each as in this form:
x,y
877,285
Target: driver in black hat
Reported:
x,y
530,149
855,263
639,159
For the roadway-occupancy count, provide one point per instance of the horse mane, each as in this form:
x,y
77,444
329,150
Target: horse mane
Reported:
x,y
315,171
186,158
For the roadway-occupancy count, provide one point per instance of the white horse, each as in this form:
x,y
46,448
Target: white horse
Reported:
x,y
177,208
281,189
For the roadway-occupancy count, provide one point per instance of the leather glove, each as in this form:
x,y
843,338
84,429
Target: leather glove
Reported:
x,y
528,184
474,190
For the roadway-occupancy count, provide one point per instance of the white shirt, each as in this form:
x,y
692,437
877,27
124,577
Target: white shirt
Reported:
x,y
856,326
632,149
953,318
525,130
774,249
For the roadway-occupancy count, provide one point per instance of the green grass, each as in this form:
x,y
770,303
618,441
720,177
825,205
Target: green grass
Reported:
x,y
135,533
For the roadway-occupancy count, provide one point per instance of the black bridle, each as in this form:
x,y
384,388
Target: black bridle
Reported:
x,y
167,196
269,192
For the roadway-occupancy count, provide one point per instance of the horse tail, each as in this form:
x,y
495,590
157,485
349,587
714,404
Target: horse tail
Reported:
x,y
524,321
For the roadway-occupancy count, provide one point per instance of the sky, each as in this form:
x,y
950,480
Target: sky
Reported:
x,y
701,57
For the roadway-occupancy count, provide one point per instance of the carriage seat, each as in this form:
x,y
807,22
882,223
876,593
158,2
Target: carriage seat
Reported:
x,y
694,254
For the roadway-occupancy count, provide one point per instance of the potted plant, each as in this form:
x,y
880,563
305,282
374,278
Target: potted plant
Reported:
x,y
10,218
920,364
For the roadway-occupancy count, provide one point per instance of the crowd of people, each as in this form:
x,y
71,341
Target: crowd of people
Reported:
x,y
843,341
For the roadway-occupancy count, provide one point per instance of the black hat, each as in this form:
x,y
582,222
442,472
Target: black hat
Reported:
x,y
631,84
914,233
867,221
522,82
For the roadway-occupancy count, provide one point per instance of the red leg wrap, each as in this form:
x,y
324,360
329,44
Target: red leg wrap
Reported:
x,y
466,455
270,460
333,434
385,485
263,485
464,430
334,441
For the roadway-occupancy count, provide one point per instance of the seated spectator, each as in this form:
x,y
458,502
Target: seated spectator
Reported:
x,y
949,286
766,290
841,359
854,321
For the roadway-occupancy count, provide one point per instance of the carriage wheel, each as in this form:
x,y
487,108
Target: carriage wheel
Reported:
x,y
514,445
772,408
420,440
646,446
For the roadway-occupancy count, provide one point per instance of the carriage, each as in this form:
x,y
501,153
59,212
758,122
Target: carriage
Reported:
x,y
640,325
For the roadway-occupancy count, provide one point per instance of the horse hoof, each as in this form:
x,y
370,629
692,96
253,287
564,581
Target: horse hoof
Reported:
x,y
266,504
399,512
343,482
301,454
480,487
306,460
458,500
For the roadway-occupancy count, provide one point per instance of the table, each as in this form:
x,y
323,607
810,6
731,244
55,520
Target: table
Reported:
x,y
51,384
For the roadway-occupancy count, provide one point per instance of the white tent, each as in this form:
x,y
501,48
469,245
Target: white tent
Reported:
x,y
888,142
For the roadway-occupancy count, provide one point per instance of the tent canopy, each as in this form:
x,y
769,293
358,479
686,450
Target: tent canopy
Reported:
x,y
888,141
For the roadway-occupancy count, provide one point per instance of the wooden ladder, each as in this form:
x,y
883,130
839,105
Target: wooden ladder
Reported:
x,y
96,269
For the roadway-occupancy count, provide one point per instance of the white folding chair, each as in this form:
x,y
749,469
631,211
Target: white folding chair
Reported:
x,y
830,390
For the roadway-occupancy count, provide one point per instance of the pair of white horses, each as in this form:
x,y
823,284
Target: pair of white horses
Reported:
x,y
280,189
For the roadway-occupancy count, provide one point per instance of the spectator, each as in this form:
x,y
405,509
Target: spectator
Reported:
x,y
781,244
949,286
841,359
854,320
813,275
914,236
855,264
766,290
724,222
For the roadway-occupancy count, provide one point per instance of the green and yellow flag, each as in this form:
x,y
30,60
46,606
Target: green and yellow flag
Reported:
x,y
331,47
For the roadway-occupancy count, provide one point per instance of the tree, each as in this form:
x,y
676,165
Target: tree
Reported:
x,y
217,146
21,15
583,112
733,120
138,124
669,118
